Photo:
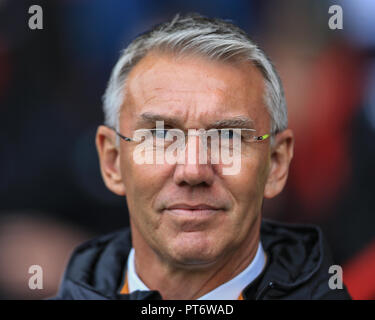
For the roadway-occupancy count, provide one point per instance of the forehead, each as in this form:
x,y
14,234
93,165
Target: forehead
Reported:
x,y
194,89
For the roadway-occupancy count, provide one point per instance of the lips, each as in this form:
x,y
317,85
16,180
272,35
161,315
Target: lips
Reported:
x,y
188,210
184,206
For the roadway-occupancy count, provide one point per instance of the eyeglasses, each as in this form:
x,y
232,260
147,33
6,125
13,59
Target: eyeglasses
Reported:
x,y
233,138
246,135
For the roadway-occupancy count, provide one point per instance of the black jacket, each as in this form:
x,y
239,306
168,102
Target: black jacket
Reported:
x,y
297,267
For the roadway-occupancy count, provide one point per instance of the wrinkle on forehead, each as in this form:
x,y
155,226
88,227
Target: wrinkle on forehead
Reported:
x,y
194,88
173,120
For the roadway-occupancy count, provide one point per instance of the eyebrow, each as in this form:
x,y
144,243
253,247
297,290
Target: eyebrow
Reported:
x,y
150,117
234,122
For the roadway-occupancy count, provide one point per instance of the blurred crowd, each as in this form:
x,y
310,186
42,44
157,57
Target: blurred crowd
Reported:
x,y
51,82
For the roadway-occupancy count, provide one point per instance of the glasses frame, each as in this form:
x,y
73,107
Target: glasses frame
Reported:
x,y
256,138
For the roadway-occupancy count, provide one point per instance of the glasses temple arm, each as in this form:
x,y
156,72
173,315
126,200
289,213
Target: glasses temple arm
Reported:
x,y
119,134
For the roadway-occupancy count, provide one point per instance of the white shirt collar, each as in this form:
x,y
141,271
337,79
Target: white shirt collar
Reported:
x,y
230,290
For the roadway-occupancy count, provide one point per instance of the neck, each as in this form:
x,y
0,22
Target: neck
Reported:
x,y
182,283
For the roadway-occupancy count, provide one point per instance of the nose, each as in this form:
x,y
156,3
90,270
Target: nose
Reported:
x,y
191,172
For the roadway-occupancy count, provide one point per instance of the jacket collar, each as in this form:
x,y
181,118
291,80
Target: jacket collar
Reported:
x,y
294,256
96,268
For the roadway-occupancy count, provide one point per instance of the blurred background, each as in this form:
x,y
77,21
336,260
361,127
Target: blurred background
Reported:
x,y
51,81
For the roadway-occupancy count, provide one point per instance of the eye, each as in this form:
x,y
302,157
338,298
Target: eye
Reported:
x,y
247,135
160,133
227,133
230,134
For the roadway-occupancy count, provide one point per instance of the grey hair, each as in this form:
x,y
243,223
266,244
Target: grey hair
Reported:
x,y
212,38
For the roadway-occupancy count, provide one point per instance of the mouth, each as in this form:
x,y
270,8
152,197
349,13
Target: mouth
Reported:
x,y
193,211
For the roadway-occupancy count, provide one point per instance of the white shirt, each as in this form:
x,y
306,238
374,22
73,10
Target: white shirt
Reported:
x,y
230,290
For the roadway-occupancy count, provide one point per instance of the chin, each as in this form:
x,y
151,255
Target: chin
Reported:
x,y
192,250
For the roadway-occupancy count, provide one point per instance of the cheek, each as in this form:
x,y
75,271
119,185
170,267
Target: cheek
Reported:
x,y
142,184
249,182
247,189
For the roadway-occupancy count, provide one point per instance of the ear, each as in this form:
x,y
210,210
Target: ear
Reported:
x,y
281,155
109,158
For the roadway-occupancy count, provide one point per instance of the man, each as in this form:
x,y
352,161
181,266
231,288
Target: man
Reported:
x,y
196,229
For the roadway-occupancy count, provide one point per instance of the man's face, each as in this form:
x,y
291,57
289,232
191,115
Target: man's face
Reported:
x,y
192,214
